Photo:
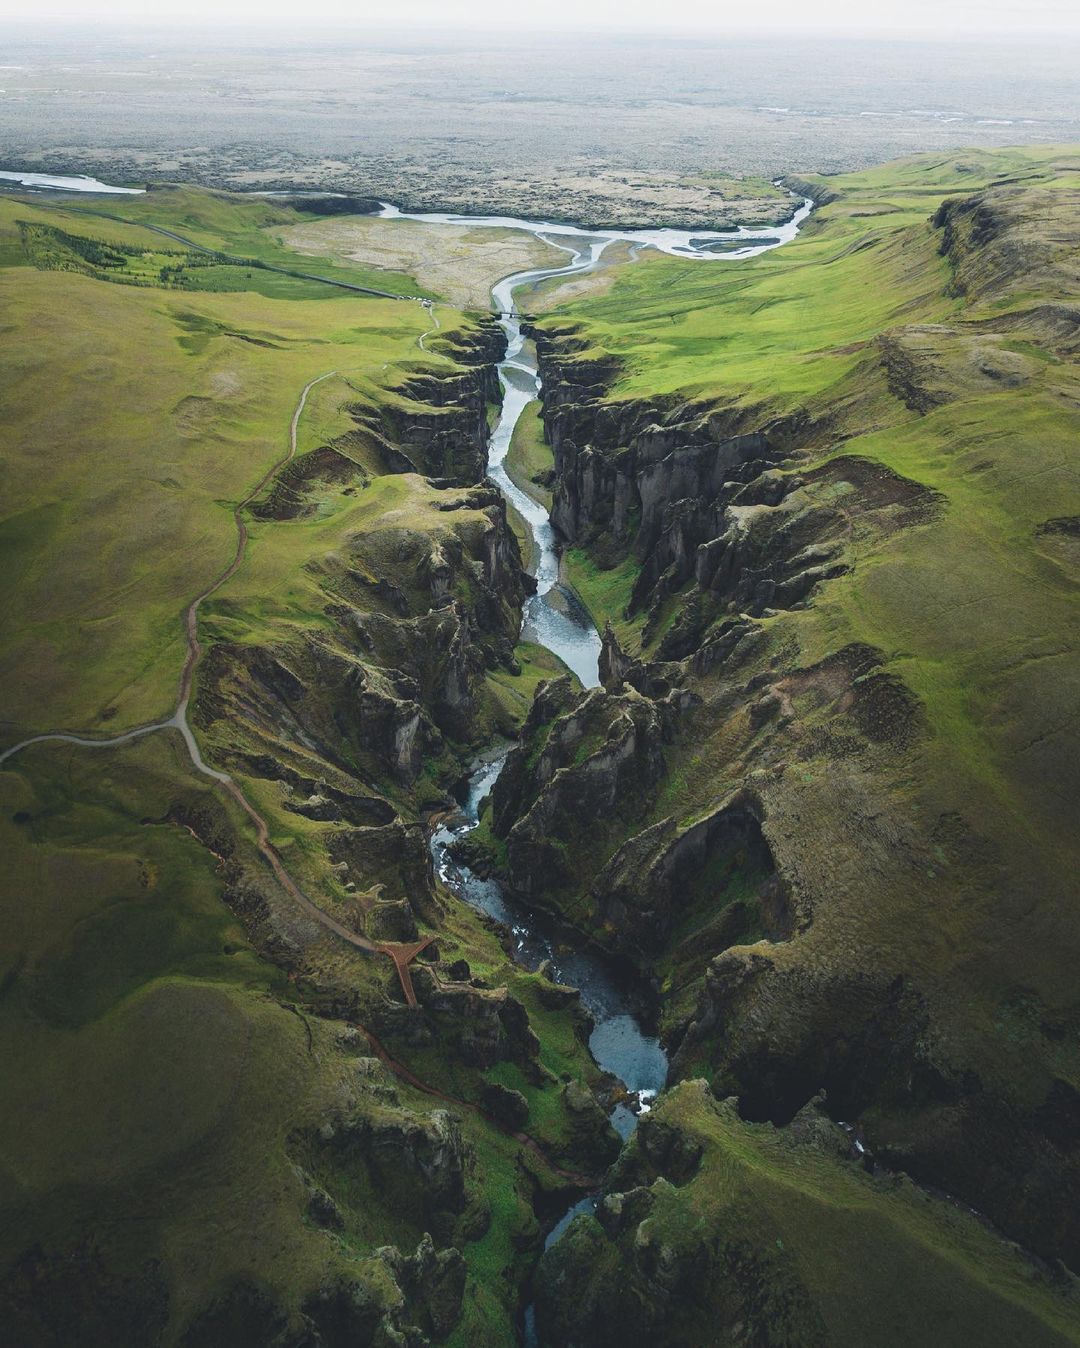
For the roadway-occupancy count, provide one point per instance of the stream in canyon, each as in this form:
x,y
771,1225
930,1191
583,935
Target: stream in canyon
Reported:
x,y
622,1041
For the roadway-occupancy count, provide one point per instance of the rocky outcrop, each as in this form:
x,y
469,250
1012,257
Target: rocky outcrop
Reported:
x,y
436,424
570,804
419,1157
635,1275
776,1034
861,1039
480,1025
432,1283
507,1107
412,1300
321,697
394,1301
364,706
819,191
1008,240
474,590
591,1133
713,884
582,766
686,491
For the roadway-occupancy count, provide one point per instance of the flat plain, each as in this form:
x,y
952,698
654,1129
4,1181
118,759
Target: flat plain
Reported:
x,y
597,128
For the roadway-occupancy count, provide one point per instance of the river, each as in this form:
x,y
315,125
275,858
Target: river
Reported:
x,y
587,244
50,182
623,1041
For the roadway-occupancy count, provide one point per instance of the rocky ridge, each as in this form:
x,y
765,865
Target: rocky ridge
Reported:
x,y
353,721
724,875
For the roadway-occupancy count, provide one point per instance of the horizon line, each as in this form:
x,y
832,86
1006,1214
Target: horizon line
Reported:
x,y
834,31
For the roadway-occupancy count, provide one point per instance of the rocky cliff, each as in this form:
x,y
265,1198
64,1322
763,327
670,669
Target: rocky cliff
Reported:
x,y
436,423
710,1230
801,849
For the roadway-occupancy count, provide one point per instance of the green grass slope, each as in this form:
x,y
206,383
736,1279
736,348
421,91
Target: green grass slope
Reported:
x,y
245,227
752,1234
528,460
198,1142
135,416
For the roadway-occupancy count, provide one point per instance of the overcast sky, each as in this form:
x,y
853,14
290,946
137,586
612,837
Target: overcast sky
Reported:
x,y
951,17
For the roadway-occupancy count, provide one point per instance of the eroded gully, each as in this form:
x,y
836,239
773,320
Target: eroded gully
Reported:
x,y
622,1042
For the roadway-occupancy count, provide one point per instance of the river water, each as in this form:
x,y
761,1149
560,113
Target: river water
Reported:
x,y
623,1041
60,183
700,244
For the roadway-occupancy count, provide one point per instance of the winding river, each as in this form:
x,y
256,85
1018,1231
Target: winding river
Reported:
x,y
623,1042
51,182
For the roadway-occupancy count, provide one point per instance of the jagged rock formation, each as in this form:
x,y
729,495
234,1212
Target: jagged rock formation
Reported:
x,y
691,498
771,1253
437,423
656,880
796,863
481,1026
581,762
352,714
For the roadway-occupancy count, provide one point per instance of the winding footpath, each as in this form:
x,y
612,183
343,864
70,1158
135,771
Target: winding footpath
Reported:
x,y
436,326
401,955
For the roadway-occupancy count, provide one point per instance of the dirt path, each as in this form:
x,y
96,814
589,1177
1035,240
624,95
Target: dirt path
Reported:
x,y
435,327
401,955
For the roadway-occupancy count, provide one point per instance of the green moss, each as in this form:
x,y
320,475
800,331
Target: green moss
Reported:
x,y
511,695
493,1261
605,592
799,1245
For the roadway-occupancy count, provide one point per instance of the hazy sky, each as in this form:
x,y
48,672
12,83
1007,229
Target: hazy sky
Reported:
x,y
973,18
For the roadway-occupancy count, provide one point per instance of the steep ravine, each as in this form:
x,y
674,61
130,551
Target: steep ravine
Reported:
x,y
714,846
623,1040
783,797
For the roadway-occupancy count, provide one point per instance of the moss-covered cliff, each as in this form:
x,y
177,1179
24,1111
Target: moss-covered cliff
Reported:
x,y
223,1122
822,498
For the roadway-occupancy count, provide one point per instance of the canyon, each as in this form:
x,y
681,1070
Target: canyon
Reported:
x,y
782,816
